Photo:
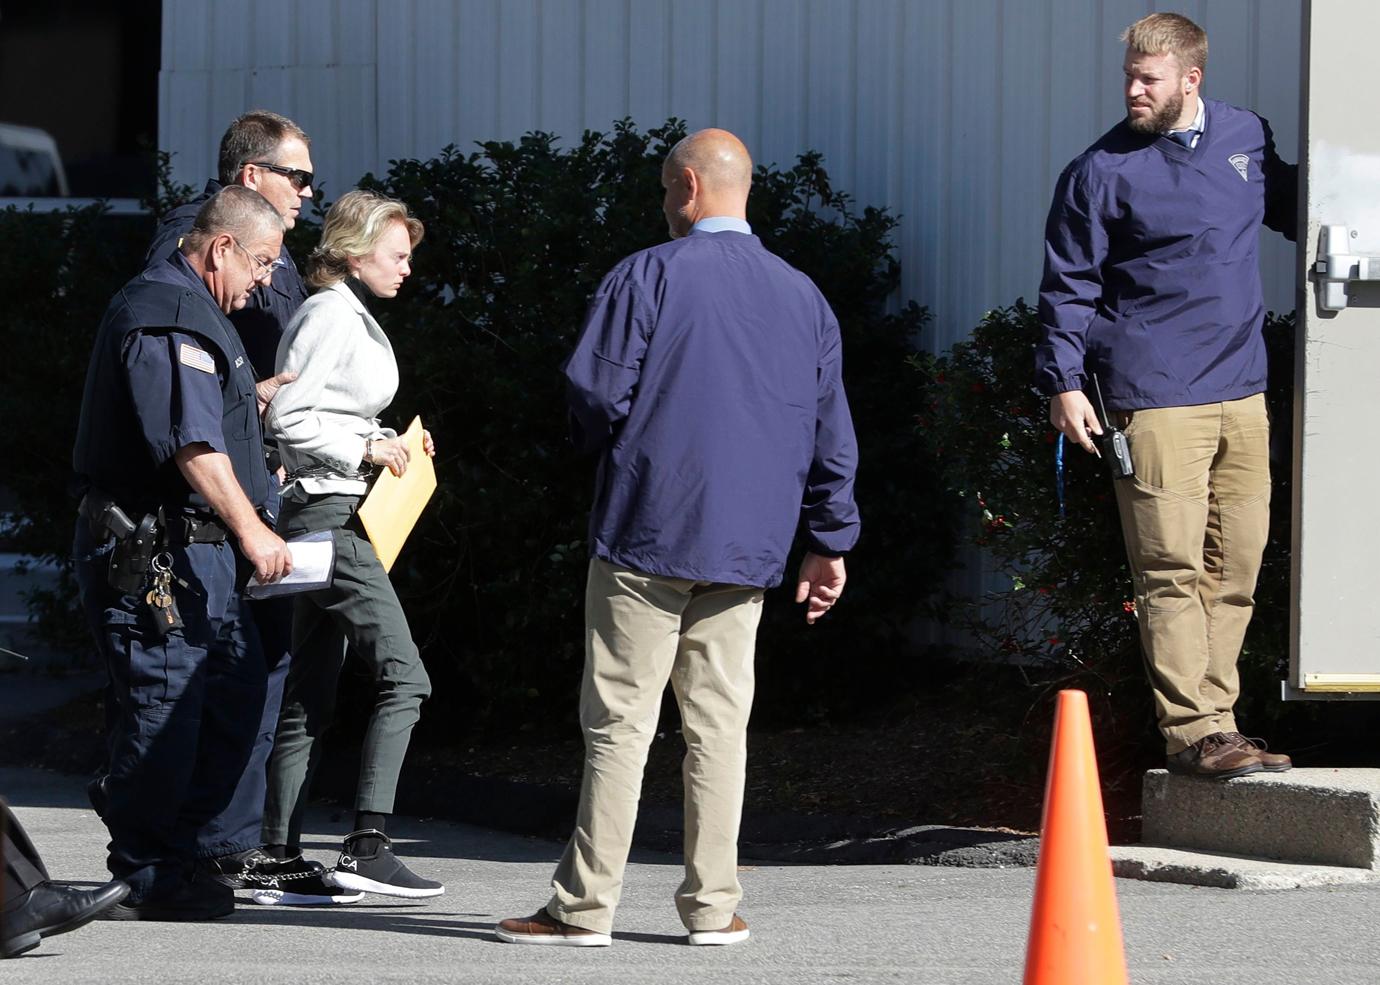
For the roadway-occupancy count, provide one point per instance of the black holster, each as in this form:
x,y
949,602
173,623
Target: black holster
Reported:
x,y
132,559
135,543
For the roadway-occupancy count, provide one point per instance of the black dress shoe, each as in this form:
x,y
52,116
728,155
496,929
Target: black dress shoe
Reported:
x,y
199,898
47,909
96,793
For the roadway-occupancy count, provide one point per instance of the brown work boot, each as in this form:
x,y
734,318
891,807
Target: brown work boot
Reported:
x,y
542,928
1217,757
1270,762
737,930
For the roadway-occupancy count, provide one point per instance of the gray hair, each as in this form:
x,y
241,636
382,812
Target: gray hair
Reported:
x,y
254,137
239,211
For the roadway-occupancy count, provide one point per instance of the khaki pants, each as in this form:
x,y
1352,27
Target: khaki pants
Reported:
x,y
1196,518
640,631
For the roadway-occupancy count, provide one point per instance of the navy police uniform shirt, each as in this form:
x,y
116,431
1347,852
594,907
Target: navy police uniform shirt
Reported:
x,y
167,371
261,322
708,378
1152,274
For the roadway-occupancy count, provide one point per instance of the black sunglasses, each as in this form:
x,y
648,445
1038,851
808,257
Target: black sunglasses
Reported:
x,y
300,179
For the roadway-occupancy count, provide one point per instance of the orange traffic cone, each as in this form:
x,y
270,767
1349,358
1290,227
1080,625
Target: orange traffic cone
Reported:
x,y
1075,932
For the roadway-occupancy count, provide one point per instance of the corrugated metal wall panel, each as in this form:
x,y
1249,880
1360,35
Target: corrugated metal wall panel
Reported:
x,y
975,150
648,57
354,28
738,67
562,68
227,45
958,114
1025,176
877,104
604,46
315,60
1073,30
924,86
690,44
270,29
830,87
474,68
782,102
519,26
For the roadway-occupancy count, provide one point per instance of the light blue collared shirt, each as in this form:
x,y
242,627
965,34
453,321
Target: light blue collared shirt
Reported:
x,y
721,224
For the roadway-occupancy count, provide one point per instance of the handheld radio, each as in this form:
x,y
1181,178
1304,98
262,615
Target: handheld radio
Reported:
x,y
1115,448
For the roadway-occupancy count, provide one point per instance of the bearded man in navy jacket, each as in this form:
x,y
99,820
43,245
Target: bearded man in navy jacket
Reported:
x,y
1152,286
708,380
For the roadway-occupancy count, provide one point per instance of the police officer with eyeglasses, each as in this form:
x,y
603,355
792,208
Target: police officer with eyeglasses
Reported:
x,y
270,154
170,467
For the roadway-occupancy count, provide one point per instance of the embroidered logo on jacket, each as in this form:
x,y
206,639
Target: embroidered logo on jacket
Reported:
x,y
1239,161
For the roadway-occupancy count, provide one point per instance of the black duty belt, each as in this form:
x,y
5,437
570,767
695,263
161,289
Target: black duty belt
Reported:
x,y
193,528
107,518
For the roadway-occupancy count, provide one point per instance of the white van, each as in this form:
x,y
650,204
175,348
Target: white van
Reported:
x,y
29,164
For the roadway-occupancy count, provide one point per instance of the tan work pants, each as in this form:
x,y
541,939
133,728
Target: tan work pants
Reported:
x,y
640,631
1196,518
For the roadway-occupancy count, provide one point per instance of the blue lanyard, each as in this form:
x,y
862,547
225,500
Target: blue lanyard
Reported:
x,y
1059,473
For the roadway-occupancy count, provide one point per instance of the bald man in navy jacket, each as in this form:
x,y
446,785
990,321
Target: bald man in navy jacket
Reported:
x,y
708,381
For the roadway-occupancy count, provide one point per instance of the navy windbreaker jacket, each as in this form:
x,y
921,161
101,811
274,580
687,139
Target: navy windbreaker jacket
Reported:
x,y
708,378
1152,279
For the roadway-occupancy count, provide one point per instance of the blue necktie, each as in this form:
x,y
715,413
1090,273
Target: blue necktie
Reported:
x,y
1184,137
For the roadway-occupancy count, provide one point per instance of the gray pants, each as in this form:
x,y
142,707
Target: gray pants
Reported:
x,y
362,610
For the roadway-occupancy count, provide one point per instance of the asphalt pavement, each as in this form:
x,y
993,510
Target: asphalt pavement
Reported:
x,y
935,925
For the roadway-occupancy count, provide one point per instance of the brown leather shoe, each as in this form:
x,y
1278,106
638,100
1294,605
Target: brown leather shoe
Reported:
x,y
1270,762
1217,757
542,928
737,930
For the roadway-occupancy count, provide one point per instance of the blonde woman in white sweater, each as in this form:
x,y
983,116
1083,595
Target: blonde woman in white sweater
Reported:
x,y
327,428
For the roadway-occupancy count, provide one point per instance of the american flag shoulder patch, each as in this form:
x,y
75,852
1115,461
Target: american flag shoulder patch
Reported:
x,y
190,355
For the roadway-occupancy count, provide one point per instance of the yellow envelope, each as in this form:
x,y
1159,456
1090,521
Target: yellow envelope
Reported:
x,y
391,509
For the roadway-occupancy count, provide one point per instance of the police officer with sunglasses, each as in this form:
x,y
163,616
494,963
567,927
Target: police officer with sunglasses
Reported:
x,y
271,155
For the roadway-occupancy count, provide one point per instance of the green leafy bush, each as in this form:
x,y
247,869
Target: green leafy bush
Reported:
x,y
518,237
58,271
1067,615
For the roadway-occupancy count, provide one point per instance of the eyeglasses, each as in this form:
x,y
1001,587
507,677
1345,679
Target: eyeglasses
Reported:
x,y
263,269
300,179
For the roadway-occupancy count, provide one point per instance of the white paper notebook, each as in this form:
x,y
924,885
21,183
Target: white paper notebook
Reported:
x,y
313,567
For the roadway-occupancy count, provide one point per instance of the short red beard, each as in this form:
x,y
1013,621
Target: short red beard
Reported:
x,y
1160,121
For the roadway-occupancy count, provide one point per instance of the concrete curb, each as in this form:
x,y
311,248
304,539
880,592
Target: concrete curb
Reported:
x,y
1312,816
1223,871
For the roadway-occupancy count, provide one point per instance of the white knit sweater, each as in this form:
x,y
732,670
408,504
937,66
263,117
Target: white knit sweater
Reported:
x,y
346,377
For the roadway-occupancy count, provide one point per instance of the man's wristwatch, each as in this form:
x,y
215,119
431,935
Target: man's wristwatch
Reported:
x,y
369,451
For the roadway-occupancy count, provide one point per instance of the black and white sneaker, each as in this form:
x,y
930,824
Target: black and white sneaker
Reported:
x,y
368,865
296,882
